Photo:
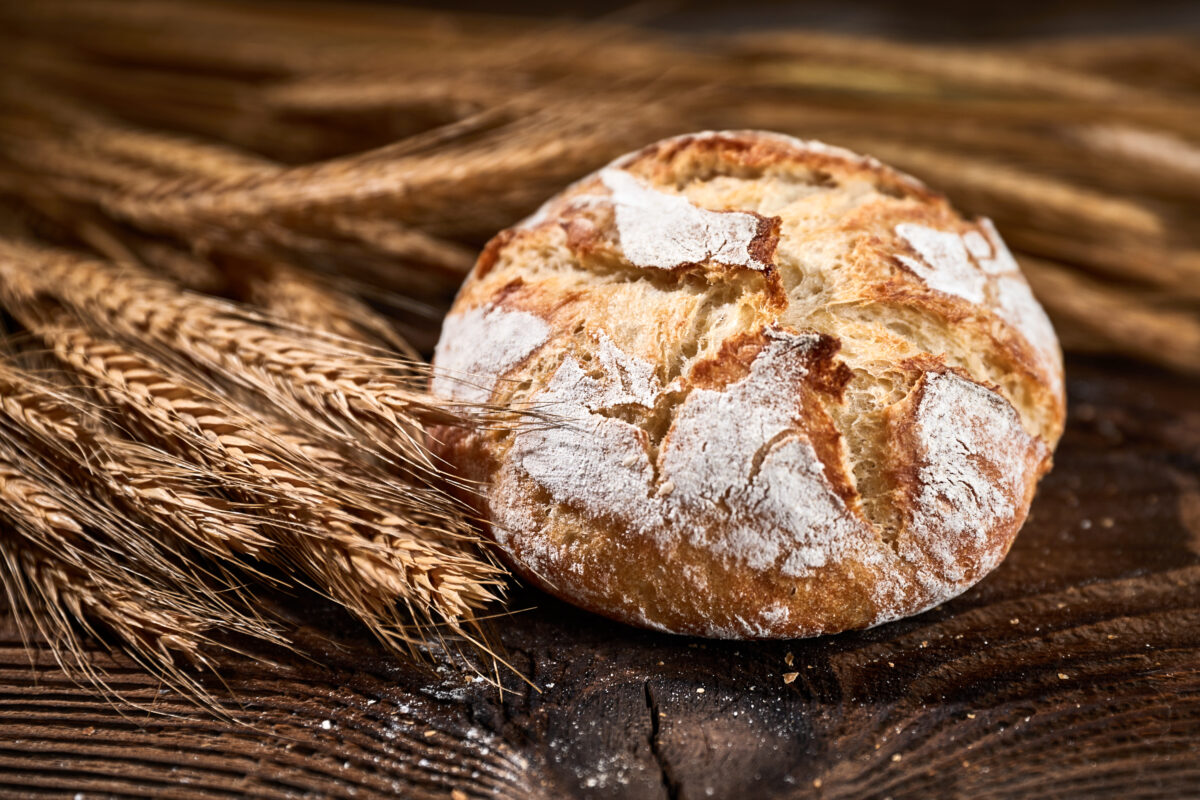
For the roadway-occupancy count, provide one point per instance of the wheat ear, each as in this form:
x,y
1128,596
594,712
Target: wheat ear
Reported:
x,y
157,621
349,390
310,301
363,555
166,492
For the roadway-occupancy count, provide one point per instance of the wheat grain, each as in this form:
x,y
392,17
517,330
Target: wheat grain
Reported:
x,y
140,531
54,599
363,555
167,492
156,622
354,391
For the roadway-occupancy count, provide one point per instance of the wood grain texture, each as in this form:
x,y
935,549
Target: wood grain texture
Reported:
x,y
1072,671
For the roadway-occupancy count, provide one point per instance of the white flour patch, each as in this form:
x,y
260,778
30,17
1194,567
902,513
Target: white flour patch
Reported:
x,y
978,247
596,464
478,346
631,380
739,464
967,266
663,230
775,615
944,264
973,453
735,461
1017,305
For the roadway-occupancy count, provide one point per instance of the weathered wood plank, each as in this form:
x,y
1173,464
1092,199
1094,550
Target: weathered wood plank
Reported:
x,y
1073,671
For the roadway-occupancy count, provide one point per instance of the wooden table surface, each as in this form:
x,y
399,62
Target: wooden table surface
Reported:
x,y
1072,671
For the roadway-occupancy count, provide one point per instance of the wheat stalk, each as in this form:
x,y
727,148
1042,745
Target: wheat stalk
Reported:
x,y
974,68
304,299
60,574
351,390
362,554
150,515
100,165
54,599
167,492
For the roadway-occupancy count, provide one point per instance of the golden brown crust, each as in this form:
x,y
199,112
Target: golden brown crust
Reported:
x,y
793,392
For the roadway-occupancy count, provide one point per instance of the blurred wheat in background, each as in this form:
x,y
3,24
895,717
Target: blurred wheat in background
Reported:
x,y
228,235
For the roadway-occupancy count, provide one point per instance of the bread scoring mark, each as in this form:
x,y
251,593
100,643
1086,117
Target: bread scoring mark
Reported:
x,y
595,463
477,347
967,265
736,460
973,464
739,460
664,231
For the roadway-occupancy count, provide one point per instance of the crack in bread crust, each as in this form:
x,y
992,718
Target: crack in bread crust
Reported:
x,y
751,341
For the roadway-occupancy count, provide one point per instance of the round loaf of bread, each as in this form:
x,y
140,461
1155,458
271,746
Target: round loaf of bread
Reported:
x,y
784,390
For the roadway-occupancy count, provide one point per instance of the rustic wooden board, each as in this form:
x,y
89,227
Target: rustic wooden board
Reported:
x,y
1072,671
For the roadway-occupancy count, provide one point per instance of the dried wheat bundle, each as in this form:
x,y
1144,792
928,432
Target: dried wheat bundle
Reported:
x,y
363,554
241,486
71,557
376,401
142,480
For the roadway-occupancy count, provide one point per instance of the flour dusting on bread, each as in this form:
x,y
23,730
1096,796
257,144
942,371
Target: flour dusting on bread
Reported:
x,y
943,265
970,264
478,346
595,463
665,230
1015,302
630,380
748,484
745,482
974,456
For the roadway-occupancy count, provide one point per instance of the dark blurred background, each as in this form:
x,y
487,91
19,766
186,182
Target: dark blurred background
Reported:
x,y
927,20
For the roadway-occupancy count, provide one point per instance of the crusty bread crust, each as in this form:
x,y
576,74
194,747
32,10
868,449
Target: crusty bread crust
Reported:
x,y
789,390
